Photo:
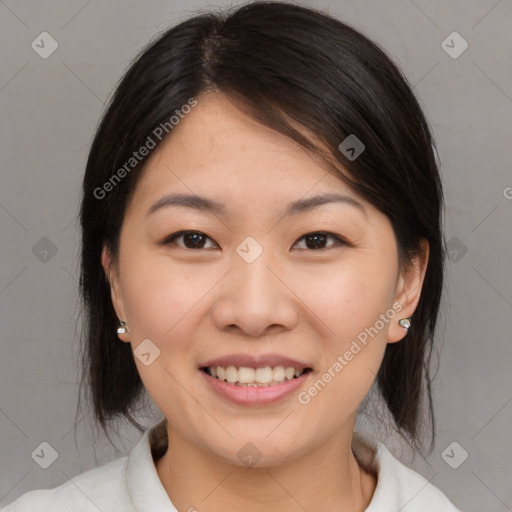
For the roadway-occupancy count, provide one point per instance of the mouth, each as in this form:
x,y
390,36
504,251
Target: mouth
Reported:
x,y
245,376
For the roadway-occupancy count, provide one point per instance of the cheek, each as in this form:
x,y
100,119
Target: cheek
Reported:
x,y
346,300
161,300
158,294
349,304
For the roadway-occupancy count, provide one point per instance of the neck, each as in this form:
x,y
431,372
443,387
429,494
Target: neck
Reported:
x,y
197,479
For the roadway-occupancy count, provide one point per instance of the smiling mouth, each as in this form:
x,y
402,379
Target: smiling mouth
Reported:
x,y
244,376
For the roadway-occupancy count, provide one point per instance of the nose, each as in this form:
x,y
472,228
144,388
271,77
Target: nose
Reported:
x,y
254,299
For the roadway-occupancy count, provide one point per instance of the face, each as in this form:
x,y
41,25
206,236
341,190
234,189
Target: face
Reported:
x,y
260,279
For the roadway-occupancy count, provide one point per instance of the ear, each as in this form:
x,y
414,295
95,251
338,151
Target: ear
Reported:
x,y
408,292
112,274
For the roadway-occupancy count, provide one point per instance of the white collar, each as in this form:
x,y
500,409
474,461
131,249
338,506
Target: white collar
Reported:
x,y
398,487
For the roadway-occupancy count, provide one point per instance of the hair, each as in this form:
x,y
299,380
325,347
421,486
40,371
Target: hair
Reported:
x,y
298,71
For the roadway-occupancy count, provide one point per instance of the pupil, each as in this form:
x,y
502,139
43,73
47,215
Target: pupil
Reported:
x,y
317,239
194,238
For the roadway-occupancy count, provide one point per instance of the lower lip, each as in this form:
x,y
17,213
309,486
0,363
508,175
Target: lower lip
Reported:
x,y
247,395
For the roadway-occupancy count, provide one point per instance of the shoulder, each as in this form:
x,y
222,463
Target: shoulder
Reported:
x,y
128,484
398,486
93,490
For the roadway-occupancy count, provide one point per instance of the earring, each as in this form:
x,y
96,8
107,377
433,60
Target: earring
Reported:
x,y
405,322
122,327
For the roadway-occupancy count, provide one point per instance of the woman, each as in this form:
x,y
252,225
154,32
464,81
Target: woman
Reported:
x,y
261,243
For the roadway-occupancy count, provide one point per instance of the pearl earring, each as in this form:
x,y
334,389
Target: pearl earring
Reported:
x,y
122,327
405,322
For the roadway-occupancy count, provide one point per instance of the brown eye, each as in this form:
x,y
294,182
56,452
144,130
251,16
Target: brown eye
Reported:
x,y
198,240
317,241
191,239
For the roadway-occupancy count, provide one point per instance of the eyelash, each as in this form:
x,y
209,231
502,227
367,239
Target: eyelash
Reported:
x,y
339,240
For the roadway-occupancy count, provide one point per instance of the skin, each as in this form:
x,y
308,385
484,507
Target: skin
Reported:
x,y
305,303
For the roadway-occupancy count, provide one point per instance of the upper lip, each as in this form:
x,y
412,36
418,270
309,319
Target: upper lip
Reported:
x,y
255,361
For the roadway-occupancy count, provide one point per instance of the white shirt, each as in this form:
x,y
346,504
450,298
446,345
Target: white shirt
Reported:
x,y
131,483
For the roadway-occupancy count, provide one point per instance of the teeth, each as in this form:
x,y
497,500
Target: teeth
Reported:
x,y
245,375
278,374
264,375
231,374
257,377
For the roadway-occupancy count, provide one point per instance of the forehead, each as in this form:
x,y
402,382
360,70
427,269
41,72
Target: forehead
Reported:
x,y
219,151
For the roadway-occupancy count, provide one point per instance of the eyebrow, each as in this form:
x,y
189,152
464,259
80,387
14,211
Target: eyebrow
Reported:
x,y
202,203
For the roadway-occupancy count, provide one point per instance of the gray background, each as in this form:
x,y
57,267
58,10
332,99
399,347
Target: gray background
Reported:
x,y
49,111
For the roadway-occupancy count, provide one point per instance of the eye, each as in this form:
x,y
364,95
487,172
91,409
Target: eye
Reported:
x,y
191,239
197,240
317,240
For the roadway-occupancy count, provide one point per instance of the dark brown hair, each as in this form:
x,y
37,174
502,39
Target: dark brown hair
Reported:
x,y
287,66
